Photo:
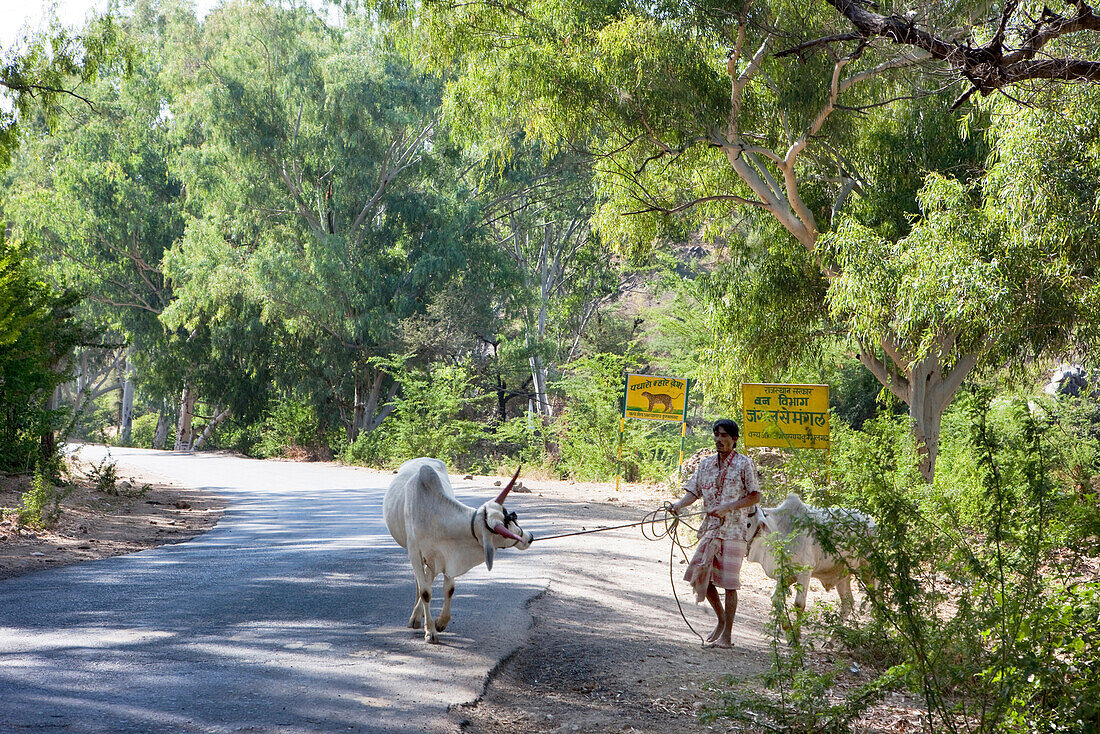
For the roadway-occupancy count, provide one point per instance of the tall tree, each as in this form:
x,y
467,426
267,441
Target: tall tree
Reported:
x,y
96,193
727,113
322,187
38,327
540,209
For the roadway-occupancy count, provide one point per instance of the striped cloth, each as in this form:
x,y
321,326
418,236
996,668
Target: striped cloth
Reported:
x,y
717,562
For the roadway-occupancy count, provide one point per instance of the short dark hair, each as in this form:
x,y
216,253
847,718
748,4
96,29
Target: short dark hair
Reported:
x,y
728,426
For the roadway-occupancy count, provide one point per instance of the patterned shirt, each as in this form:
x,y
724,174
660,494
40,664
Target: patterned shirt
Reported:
x,y
738,480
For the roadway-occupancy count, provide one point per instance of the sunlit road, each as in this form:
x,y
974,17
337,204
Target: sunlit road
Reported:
x,y
289,616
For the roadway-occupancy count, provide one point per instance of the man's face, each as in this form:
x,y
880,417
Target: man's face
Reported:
x,y
723,442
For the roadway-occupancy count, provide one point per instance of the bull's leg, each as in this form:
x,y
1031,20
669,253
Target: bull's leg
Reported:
x,y
417,618
803,585
448,593
424,578
847,603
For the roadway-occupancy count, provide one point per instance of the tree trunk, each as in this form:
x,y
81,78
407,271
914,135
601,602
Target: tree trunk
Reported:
x,y
218,418
923,385
126,424
187,412
538,377
160,436
371,408
48,439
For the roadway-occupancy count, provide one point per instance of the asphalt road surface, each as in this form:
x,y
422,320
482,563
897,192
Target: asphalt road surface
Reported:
x,y
289,616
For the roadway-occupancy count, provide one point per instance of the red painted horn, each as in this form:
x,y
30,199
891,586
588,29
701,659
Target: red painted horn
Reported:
x,y
504,492
501,530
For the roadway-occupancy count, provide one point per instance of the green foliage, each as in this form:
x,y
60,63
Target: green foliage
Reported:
x,y
40,506
291,428
52,68
980,577
796,698
104,475
588,429
31,366
143,430
524,440
369,448
427,420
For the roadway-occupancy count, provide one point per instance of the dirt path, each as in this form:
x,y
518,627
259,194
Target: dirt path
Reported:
x,y
609,650
134,514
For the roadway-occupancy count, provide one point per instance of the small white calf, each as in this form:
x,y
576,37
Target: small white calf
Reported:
x,y
808,556
444,536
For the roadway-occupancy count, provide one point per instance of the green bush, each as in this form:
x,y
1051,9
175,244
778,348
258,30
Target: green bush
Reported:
x,y
143,430
588,429
427,420
795,698
291,426
522,440
368,449
40,506
980,583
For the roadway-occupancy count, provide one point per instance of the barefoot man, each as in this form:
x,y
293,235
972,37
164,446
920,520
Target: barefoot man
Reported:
x,y
728,484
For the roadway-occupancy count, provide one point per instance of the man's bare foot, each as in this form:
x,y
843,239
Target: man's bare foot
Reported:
x,y
720,644
716,633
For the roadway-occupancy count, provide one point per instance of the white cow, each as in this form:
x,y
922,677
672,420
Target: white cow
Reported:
x,y
808,556
444,536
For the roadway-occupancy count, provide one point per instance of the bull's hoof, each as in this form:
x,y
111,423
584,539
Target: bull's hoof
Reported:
x,y
440,626
414,624
431,638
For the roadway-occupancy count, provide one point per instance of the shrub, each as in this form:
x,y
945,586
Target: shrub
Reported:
x,y
978,580
143,430
291,426
427,420
588,429
40,506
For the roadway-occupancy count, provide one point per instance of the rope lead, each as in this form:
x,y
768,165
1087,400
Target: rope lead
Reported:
x,y
655,526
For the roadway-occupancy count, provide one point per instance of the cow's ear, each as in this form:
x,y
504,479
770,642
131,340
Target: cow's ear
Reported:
x,y
487,543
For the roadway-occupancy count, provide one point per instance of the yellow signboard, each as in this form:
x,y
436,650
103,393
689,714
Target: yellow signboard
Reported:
x,y
654,398
785,416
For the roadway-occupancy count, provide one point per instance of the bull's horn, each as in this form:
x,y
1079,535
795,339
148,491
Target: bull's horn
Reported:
x,y
501,530
504,492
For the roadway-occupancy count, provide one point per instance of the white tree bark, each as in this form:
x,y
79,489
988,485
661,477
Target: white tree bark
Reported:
x,y
371,407
214,422
126,423
187,413
160,436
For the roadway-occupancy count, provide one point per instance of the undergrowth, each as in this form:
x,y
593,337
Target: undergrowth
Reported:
x,y
981,608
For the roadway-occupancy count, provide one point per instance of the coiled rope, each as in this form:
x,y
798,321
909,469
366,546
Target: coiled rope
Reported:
x,y
656,525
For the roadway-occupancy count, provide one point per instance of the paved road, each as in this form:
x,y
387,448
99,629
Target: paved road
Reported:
x,y
289,616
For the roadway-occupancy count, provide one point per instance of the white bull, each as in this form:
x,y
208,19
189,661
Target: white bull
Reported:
x,y
807,556
442,535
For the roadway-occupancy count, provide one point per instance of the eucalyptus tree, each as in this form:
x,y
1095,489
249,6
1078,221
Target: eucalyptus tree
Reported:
x,y
736,115
94,190
539,208
1014,46
321,185
38,325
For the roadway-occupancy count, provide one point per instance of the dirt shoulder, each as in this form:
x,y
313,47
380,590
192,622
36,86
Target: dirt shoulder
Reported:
x,y
609,650
138,513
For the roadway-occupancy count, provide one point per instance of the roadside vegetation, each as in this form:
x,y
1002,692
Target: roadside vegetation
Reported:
x,y
375,231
